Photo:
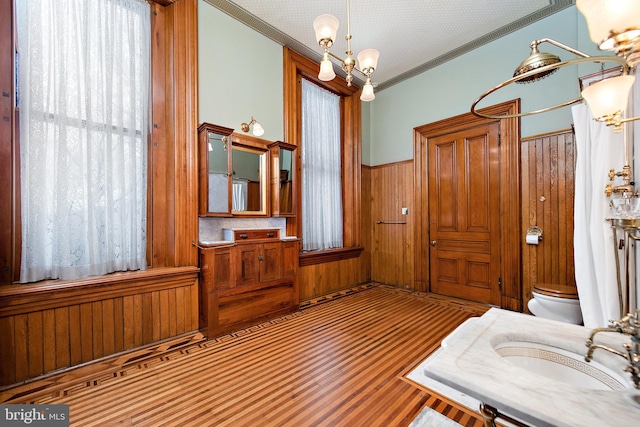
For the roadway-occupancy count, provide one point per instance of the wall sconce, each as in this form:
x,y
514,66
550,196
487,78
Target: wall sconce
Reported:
x,y
257,128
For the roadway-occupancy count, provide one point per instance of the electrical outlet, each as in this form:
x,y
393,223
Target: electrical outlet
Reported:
x,y
405,211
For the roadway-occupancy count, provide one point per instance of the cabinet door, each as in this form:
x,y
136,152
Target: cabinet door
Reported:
x,y
289,258
248,264
271,261
222,271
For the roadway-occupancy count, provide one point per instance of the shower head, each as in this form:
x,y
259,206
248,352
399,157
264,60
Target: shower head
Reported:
x,y
534,61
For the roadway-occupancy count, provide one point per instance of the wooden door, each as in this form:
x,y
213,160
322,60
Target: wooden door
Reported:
x,y
464,214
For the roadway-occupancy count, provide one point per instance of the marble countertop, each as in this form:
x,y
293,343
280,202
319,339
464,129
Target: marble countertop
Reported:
x,y
469,364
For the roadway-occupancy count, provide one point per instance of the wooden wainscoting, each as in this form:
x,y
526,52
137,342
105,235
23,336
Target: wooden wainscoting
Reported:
x,y
55,325
392,239
548,181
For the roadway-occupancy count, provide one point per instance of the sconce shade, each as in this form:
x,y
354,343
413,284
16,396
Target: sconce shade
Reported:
x,y
367,92
326,70
609,96
368,59
604,16
257,129
326,27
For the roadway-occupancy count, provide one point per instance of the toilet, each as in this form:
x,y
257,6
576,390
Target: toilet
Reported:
x,y
556,302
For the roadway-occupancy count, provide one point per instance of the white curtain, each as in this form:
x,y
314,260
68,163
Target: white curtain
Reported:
x,y
321,169
240,195
599,149
83,97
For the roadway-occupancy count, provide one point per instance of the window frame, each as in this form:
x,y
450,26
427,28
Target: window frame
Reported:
x,y
172,141
296,67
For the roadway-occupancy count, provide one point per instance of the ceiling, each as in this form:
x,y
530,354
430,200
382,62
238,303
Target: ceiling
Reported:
x,y
412,36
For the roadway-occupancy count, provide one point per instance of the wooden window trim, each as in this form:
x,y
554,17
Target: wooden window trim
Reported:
x,y
172,221
297,66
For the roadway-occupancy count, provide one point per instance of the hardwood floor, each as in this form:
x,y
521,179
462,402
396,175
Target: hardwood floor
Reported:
x,y
337,362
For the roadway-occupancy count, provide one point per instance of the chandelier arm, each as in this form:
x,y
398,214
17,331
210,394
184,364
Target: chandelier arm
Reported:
x,y
342,61
595,59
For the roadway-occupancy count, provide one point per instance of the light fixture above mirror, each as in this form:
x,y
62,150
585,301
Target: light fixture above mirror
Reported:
x,y
326,28
257,128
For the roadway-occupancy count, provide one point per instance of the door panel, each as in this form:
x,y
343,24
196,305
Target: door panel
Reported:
x,y
464,214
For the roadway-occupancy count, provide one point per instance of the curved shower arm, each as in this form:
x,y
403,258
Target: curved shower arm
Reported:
x,y
535,43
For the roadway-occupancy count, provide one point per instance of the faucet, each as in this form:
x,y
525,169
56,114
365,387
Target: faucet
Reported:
x,y
627,190
627,325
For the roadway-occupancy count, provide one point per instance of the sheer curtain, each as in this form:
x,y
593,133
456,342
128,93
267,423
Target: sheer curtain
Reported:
x,y
83,98
321,169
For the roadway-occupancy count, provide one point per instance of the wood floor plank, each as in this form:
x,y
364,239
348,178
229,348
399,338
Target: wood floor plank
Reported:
x,y
335,363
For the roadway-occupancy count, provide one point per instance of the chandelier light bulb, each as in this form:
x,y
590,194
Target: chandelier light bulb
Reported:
x,y
326,28
367,92
606,16
326,70
608,97
368,60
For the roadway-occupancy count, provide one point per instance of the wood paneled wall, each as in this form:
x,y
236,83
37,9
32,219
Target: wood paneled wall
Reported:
x,y
53,325
548,182
322,279
392,254
48,328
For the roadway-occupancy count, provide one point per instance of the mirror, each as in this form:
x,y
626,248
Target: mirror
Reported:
x,y
218,173
249,176
282,184
214,170
247,187
233,173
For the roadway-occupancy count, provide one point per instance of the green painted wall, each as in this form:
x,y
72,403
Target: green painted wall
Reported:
x,y
450,89
241,76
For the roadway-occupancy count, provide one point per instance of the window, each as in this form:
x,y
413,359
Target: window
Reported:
x,y
84,79
297,69
321,169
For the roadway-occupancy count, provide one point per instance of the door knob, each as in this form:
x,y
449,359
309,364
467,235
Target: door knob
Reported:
x,y
433,243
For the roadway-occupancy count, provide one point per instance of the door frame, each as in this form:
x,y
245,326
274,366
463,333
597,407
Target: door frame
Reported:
x,y
509,194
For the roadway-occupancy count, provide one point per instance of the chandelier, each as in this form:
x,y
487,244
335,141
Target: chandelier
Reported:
x,y
614,25
326,28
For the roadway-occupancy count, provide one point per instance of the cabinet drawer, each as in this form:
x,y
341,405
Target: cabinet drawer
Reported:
x,y
265,234
252,306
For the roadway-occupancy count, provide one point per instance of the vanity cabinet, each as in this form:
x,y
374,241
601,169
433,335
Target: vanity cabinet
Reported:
x,y
254,280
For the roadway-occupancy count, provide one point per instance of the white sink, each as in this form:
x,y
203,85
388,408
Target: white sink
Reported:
x,y
561,365
534,370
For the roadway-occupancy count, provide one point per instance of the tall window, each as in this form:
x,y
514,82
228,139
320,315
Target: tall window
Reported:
x,y
84,73
321,169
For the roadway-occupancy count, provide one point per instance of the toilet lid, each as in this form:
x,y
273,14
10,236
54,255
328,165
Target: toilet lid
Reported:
x,y
559,291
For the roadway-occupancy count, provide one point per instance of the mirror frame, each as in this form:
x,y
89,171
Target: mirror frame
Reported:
x,y
274,149
260,146
203,167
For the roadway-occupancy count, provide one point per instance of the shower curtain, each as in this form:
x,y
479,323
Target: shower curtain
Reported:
x,y
599,149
